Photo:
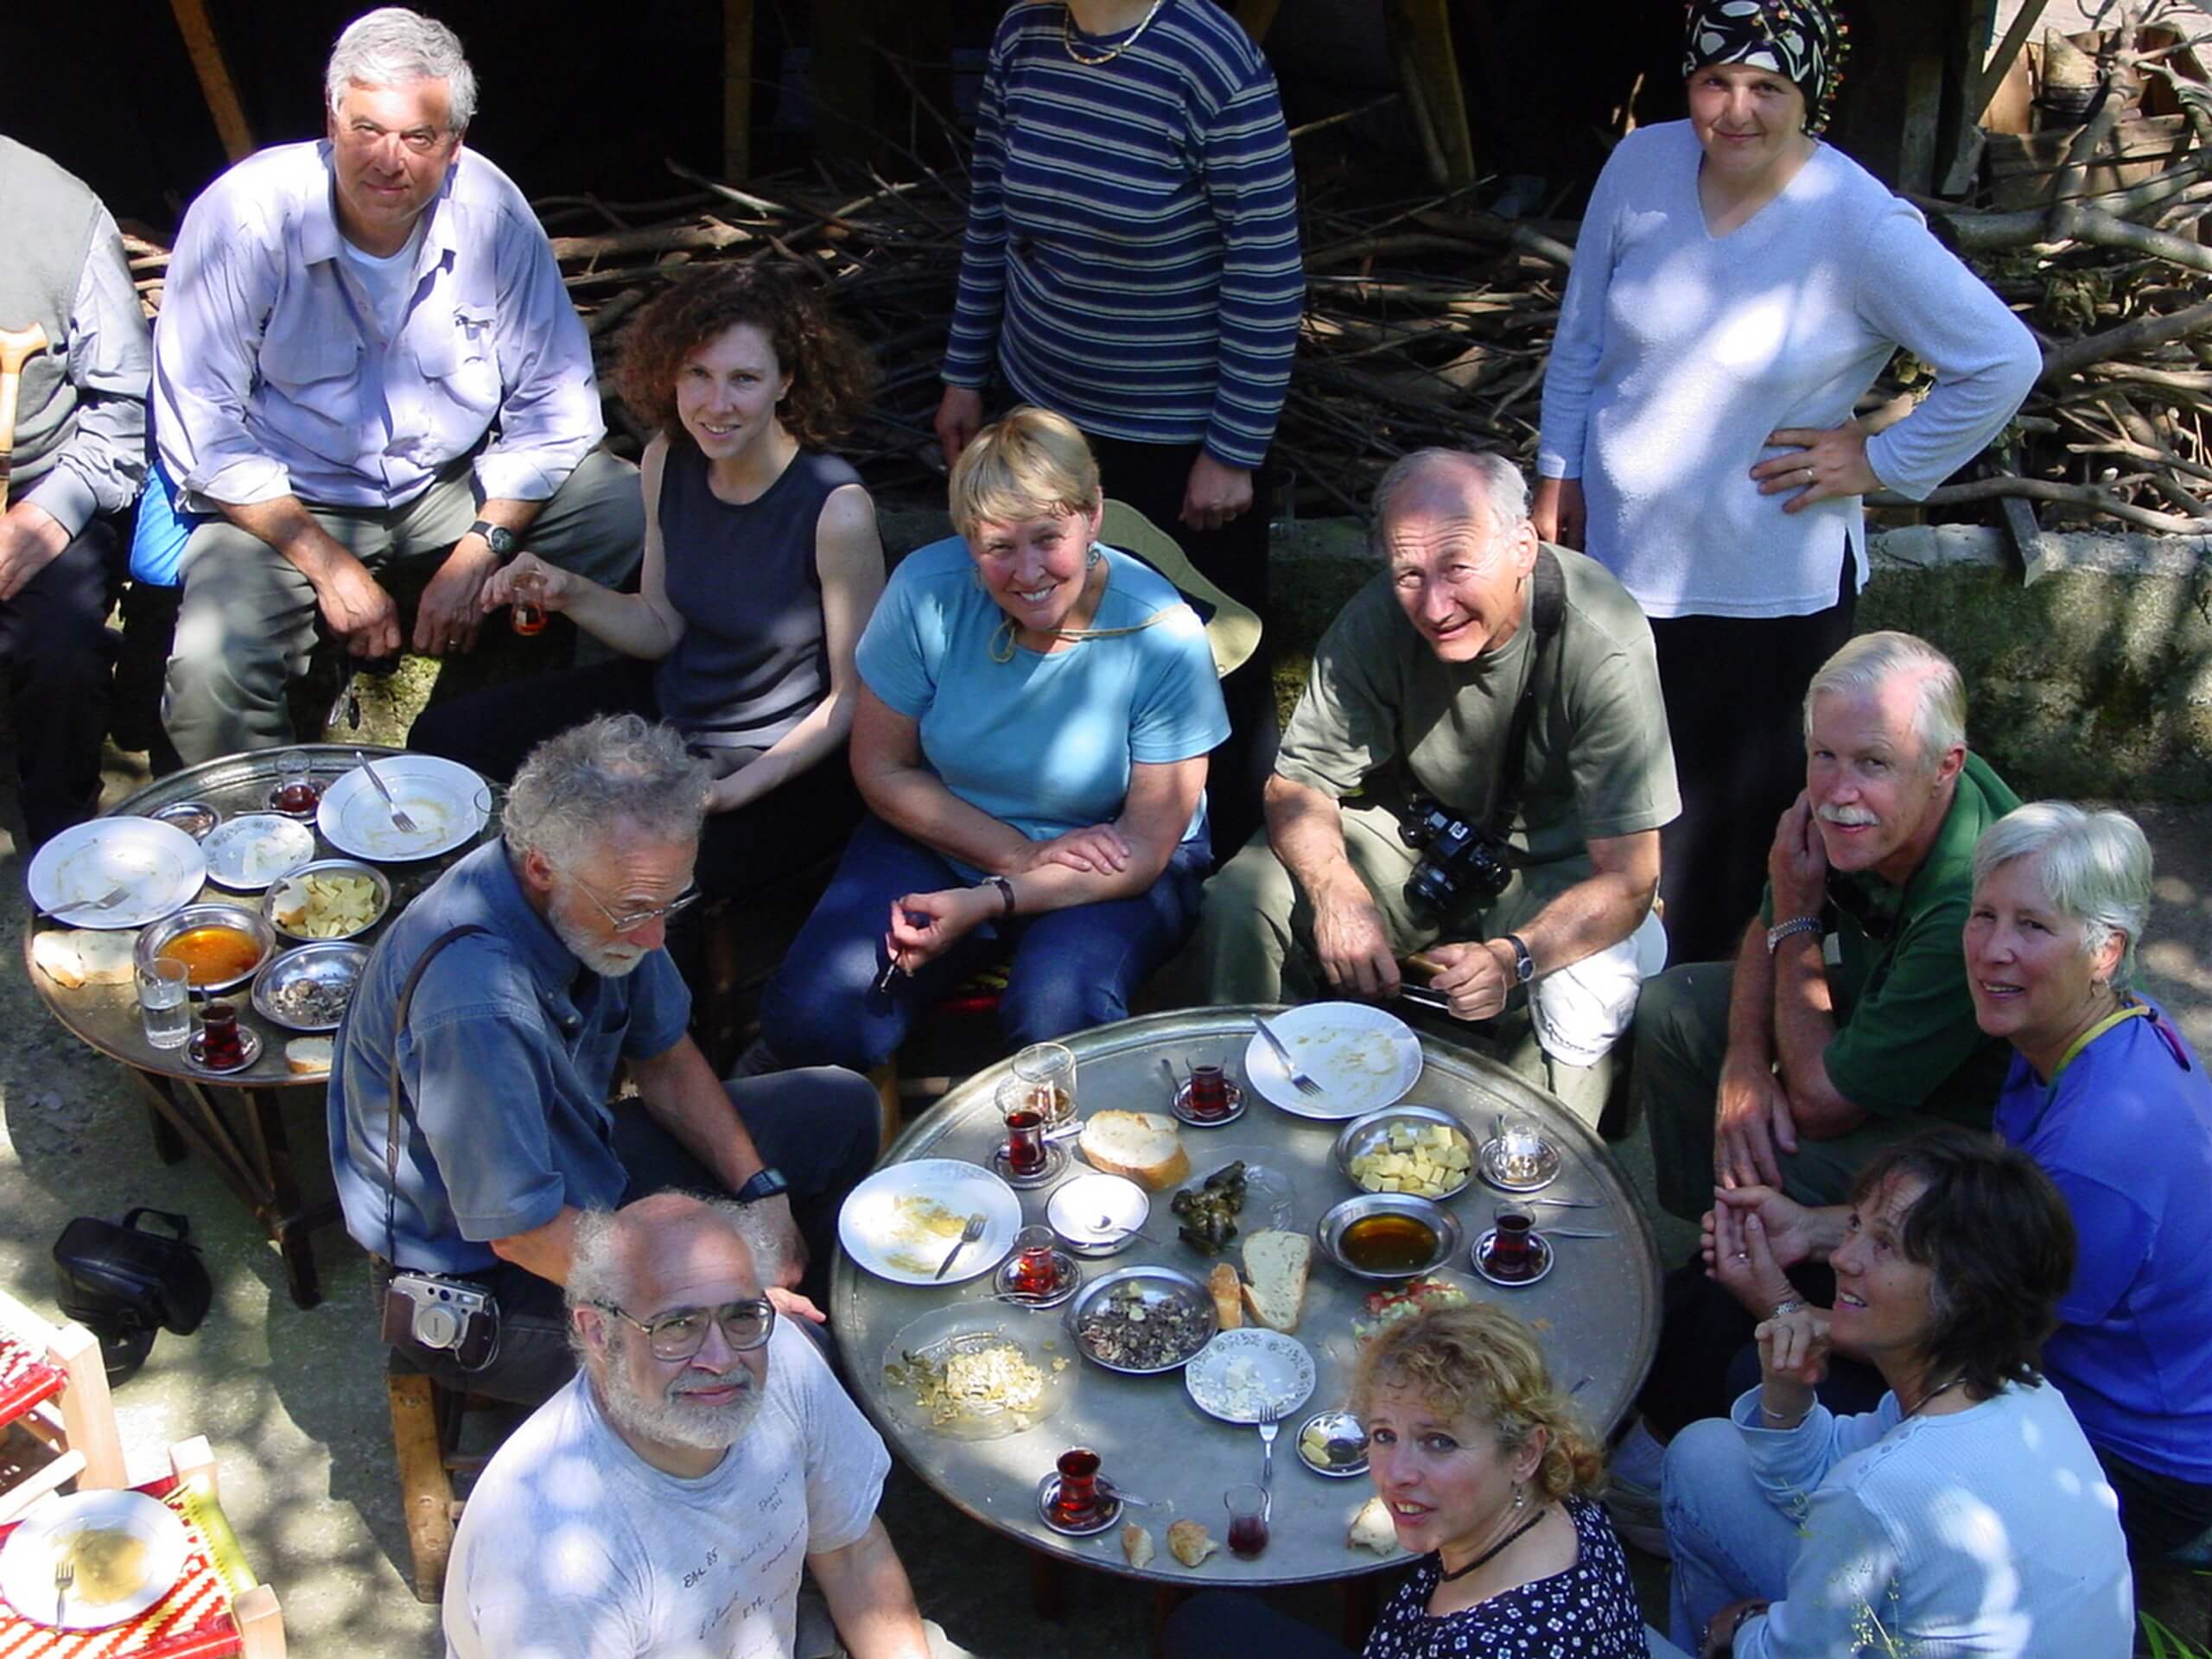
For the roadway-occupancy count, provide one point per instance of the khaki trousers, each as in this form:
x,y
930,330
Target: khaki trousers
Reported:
x,y
248,618
1254,942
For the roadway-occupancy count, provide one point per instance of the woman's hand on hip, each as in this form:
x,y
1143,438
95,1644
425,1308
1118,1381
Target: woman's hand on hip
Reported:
x,y
959,417
1828,464
1558,512
1216,493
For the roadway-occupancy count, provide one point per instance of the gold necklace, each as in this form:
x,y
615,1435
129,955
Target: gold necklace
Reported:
x,y
1067,36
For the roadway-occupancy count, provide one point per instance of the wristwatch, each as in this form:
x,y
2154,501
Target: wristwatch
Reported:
x,y
498,538
1524,965
766,1183
1790,929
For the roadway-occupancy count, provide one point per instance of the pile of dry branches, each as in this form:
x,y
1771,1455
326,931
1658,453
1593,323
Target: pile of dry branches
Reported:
x,y
1428,323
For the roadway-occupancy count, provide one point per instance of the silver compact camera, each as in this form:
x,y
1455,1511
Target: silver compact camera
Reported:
x,y
448,1315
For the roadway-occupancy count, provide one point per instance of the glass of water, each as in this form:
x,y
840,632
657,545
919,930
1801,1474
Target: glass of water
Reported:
x,y
165,1001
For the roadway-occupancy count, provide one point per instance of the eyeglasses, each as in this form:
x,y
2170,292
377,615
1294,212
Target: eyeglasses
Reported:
x,y
633,920
683,1333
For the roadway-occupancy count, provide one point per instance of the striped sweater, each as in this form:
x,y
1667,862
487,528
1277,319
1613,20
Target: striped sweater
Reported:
x,y
1132,254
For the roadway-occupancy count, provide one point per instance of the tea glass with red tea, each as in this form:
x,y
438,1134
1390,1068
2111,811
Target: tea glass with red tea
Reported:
x,y
297,794
1036,1269
1209,1096
222,1047
1512,1253
1047,1072
526,605
1025,1126
1248,1520
1078,1501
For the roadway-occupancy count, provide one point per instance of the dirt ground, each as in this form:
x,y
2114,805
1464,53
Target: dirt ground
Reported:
x,y
293,1400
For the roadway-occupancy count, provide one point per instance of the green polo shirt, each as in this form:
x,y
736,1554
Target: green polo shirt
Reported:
x,y
1906,1040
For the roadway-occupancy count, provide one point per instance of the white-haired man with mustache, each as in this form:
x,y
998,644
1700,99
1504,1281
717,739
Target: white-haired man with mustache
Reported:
x,y
664,1502
1844,1021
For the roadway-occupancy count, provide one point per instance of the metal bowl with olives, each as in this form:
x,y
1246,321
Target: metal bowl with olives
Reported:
x,y
1141,1321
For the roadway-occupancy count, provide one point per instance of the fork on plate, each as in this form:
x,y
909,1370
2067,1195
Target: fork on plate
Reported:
x,y
400,821
65,1574
108,900
1299,1080
1271,1420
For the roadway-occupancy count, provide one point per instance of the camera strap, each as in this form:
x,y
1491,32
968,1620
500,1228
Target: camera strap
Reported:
x,y
399,1105
1547,609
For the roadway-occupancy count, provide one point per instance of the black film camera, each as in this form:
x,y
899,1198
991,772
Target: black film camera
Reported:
x,y
1458,860
446,1314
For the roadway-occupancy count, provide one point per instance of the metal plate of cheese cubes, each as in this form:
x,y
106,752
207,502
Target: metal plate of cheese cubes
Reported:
x,y
1415,1149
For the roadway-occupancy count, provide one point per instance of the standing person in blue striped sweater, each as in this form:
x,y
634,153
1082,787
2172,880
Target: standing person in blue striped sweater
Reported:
x,y
1132,263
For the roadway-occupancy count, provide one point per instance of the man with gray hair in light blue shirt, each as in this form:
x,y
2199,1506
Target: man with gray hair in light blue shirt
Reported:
x,y
345,323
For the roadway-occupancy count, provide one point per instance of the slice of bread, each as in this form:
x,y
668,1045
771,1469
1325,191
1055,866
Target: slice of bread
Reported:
x,y
1227,1294
1144,1146
308,1056
1136,1545
1276,1264
1190,1542
1371,1528
85,956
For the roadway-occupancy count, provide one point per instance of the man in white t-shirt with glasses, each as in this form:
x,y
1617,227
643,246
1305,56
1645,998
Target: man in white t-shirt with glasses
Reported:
x,y
665,1501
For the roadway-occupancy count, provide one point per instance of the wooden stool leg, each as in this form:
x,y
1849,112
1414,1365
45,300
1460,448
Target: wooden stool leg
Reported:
x,y
261,1624
87,1413
425,1494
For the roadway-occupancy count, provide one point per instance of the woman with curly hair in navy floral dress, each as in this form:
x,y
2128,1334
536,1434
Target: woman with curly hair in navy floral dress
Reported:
x,y
1487,1476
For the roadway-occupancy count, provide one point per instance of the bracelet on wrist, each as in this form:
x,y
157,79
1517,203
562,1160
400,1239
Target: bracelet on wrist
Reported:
x,y
1787,1305
1006,893
1790,929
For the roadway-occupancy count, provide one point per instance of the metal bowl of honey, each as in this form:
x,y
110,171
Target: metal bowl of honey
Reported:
x,y
1388,1236
221,945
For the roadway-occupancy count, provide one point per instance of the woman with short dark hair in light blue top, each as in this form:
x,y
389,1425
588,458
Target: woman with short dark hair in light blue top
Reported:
x,y
1035,714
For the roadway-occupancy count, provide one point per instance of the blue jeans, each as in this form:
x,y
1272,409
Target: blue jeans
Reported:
x,y
1072,968
1730,1542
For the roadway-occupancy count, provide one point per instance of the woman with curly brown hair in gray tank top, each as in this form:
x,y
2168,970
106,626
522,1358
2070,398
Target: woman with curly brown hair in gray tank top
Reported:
x,y
762,565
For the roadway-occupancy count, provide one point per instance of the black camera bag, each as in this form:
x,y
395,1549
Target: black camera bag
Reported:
x,y
126,1281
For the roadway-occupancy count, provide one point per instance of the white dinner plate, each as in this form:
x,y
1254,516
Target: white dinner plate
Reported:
x,y
899,1222
27,1563
160,868
255,848
1363,1058
447,801
1239,1370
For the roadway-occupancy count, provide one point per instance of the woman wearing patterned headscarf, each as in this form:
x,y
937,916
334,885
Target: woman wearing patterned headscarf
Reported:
x,y
1737,286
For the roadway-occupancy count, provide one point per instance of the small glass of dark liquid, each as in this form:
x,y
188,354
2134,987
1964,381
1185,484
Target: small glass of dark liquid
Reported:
x,y
1036,1270
1209,1091
1025,1127
221,1047
526,610
1077,1500
1512,1250
1248,1520
297,794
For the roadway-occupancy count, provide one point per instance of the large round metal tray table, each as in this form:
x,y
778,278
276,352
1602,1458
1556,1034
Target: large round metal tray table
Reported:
x,y
235,1121
1597,1314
